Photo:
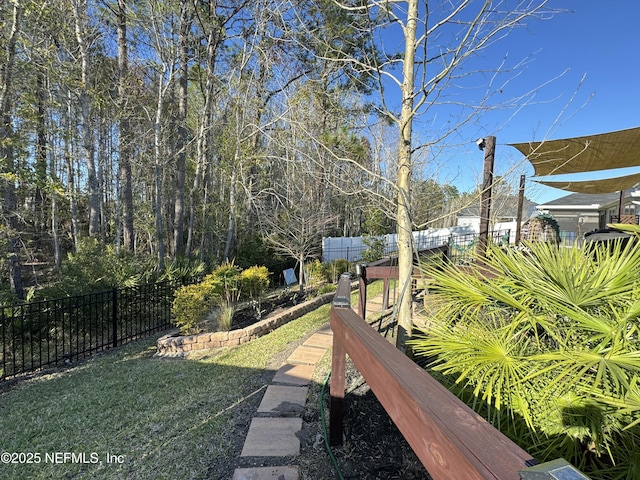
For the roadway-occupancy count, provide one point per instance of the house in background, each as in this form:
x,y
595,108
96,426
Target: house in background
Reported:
x,y
579,213
596,202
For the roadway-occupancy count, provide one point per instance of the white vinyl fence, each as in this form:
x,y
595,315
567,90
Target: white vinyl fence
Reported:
x,y
351,248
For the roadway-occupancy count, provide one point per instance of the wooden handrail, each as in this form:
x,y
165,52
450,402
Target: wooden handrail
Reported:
x,y
385,269
451,440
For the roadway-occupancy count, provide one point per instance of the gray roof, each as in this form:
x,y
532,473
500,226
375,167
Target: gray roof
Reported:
x,y
577,199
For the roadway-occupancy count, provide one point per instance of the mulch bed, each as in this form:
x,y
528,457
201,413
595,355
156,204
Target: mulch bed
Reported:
x,y
253,312
373,447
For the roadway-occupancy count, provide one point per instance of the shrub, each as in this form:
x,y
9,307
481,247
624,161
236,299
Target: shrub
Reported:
x,y
192,303
225,317
376,248
181,269
255,281
94,268
547,348
228,283
327,288
335,268
315,272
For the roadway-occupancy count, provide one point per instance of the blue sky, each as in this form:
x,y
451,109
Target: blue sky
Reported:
x,y
596,45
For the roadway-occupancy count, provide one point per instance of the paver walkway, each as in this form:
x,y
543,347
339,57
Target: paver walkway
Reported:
x,y
275,430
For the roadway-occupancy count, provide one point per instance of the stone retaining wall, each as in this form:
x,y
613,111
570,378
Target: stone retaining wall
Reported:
x,y
173,345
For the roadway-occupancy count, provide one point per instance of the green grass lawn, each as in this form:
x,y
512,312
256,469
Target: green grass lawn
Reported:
x,y
152,418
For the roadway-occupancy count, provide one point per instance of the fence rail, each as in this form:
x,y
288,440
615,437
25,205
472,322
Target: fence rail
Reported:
x,y
54,332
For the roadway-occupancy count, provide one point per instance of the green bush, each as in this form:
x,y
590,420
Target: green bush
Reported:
x,y
376,248
255,281
335,268
547,348
179,270
192,303
327,288
94,268
229,283
315,272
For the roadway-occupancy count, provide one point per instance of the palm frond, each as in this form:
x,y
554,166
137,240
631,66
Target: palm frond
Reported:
x,y
549,340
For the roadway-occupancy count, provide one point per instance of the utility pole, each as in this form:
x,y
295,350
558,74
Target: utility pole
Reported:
x,y
489,146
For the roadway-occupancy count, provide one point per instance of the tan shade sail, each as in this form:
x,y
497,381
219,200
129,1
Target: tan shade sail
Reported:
x,y
606,185
583,154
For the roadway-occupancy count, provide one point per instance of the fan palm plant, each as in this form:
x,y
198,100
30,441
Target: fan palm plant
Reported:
x,y
544,342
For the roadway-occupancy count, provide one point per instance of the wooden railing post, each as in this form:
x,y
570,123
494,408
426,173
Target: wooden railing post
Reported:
x,y
336,406
341,300
385,293
361,271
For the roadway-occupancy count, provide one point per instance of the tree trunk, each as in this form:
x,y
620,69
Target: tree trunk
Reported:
x,y
301,275
182,140
404,227
125,137
88,151
10,203
71,189
57,254
9,212
41,154
232,210
157,138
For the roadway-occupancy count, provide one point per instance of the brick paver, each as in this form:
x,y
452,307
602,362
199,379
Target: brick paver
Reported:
x,y
306,355
319,340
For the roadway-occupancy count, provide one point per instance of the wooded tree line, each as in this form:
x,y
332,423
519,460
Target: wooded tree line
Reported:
x,y
206,129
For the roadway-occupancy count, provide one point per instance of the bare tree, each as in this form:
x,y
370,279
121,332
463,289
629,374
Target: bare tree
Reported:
x,y
294,228
442,42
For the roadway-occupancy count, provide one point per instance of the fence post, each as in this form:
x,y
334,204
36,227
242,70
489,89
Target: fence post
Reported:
x,y
114,316
341,299
361,271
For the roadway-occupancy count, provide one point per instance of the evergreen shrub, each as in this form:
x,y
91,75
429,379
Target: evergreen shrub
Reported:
x,y
192,303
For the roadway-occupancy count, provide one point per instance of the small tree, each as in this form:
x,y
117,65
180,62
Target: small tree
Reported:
x,y
376,248
295,230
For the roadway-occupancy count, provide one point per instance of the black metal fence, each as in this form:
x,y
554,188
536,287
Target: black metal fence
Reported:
x,y
60,331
